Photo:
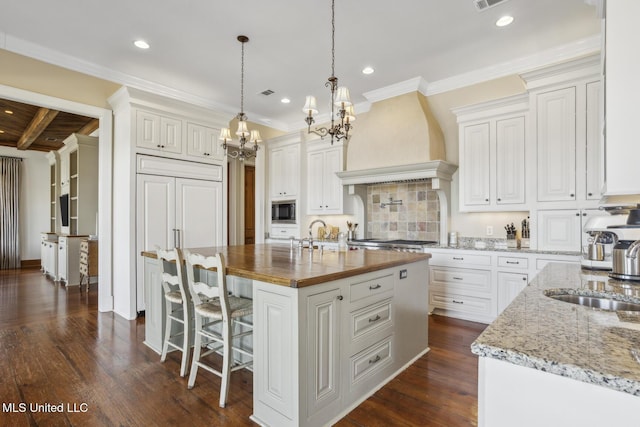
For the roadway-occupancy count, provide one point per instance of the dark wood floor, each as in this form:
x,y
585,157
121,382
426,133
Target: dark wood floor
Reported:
x,y
55,348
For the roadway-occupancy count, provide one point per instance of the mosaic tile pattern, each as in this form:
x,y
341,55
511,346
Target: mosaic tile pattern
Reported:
x,y
417,218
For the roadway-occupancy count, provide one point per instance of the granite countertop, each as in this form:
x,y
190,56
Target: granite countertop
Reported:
x,y
503,249
296,268
586,344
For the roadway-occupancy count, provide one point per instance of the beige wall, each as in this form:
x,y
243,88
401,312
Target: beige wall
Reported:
x,y
36,76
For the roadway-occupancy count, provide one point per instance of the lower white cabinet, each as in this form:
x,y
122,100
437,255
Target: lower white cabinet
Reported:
x,y
69,259
509,286
50,259
477,285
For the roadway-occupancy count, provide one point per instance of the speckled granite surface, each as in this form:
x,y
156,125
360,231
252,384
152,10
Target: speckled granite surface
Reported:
x,y
586,344
502,249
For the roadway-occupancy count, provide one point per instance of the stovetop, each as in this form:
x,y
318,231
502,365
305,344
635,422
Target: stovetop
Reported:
x,y
391,243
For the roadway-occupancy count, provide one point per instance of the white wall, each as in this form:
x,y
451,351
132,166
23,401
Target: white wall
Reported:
x,y
34,199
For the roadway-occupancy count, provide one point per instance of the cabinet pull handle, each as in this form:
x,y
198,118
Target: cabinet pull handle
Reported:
x,y
584,214
577,213
458,258
458,278
375,319
524,278
375,360
377,286
457,302
499,199
513,262
486,200
339,297
589,194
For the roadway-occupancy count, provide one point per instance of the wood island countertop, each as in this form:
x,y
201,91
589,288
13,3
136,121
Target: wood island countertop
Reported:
x,y
296,268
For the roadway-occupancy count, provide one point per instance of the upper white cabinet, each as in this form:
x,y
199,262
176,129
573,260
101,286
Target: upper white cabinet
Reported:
x,y
324,188
566,113
202,142
492,155
561,229
622,87
284,171
157,132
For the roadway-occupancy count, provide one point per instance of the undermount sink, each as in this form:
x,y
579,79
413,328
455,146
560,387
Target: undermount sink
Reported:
x,y
602,303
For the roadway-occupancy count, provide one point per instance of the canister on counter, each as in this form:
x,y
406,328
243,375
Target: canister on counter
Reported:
x,y
453,239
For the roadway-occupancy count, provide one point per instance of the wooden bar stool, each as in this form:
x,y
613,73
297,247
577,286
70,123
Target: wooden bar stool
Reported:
x,y
217,317
178,306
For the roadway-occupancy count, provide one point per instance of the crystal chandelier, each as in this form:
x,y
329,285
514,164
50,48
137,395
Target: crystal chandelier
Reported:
x,y
339,98
243,132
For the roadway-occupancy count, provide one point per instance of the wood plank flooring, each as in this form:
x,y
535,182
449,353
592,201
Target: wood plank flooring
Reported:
x,y
57,349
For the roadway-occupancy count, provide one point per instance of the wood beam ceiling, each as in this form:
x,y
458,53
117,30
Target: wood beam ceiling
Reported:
x,y
40,121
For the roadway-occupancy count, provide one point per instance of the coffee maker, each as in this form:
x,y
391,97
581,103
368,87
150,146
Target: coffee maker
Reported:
x,y
597,254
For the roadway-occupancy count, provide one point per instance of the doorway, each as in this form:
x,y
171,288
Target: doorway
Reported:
x,y
249,205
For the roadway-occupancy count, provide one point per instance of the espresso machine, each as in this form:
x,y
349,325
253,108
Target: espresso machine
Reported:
x,y
598,253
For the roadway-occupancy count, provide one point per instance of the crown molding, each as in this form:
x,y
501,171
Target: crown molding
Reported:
x,y
396,89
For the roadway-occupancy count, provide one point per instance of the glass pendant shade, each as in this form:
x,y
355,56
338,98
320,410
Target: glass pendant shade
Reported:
x,y
310,105
342,97
225,134
242,129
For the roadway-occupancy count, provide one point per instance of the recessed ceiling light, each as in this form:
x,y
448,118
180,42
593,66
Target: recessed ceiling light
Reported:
x,y
8,111
1,131
141,44
504,21
285,100
367,70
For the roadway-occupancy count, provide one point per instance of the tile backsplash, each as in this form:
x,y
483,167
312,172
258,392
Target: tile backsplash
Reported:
x,y
417,218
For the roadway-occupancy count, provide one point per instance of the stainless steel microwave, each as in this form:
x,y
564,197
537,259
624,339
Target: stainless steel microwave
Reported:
x,y
283,212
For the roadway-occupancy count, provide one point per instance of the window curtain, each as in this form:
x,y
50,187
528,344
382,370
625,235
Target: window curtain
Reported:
x,y
9,213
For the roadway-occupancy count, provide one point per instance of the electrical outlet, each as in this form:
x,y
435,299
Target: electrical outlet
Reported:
x,y
489,230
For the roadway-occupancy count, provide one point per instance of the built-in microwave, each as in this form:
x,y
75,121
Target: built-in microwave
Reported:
x,y
283,212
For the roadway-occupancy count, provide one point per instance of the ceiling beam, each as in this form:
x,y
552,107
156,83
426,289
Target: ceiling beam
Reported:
x,y
90,127
38,124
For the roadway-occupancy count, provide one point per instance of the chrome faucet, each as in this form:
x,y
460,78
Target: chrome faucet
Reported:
x,y
311,231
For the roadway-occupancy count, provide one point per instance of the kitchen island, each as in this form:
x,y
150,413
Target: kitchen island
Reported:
x,y
330,328
550,362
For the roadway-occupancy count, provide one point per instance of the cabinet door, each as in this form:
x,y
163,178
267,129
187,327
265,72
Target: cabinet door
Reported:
x,y
315,176
171,135
292,171
276,173
560,230
475,176
510,161
509,286
323,349
556,138
62,260
147,130
331,184
202,142
199,213
155,212
595,147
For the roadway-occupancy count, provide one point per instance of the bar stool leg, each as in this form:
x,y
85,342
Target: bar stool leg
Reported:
x,y
167,332
196,352
227,361
186,339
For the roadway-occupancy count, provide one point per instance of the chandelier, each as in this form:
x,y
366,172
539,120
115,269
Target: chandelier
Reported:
x,y
243,133
339,98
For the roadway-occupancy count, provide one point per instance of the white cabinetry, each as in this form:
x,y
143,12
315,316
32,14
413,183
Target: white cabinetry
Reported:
x,y
79,159
284,171
561,229
492,155
158,132
566,110
202,142
174,211
512,276
69,259
622,89
324,188
50,258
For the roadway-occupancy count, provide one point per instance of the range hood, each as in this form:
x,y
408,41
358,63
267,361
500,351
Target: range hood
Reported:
x,y
399,140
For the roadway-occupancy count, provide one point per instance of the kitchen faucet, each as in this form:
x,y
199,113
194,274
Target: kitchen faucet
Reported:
x,y
311,231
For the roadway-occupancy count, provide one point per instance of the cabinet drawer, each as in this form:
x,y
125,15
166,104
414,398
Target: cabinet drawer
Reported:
x,y
513,262
461,279
463,303
462,260
370,360
283,231
371,287
371,319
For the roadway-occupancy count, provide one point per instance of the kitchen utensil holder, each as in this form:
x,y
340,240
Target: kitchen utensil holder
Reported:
x,y
511,241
